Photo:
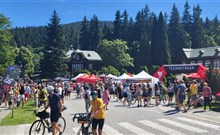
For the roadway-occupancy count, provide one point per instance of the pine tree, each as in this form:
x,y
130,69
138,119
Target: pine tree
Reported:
x,y
107,32
53,63
117,29
84,40
139,26
125,26
187,18
198,33
95,36
176,38
160,49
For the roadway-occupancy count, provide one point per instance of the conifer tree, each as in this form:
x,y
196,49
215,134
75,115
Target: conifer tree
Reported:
x,y
117,26
95,35
84,40
53,63
187,18
198,33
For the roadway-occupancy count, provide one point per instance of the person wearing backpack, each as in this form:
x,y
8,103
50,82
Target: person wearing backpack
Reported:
x,y
42,96
86,96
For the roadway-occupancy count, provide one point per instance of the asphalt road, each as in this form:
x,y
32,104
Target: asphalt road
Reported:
x,y
158,120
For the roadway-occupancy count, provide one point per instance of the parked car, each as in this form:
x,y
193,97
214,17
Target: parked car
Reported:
x,y
217,98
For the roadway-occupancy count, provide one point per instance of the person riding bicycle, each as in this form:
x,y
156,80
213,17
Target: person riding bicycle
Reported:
x,y
97,113
55,104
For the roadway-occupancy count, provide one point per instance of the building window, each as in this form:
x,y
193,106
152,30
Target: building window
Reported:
x,y
77,57
77,66
199,62
216,64
192,62
207,63
90,67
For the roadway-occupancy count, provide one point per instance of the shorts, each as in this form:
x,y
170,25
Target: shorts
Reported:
x,y
26,95
170,94
194,97
22,97
181,99
54,116
96,122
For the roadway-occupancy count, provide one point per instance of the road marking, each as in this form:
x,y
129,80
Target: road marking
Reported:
x,y
76,129
201,118
110,131
161,128
199,123
190,128
134,129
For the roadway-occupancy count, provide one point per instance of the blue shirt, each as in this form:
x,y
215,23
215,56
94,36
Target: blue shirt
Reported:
x,y
54,102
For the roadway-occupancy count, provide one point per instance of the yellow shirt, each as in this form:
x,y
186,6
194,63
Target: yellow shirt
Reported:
x,y
98,105
193,89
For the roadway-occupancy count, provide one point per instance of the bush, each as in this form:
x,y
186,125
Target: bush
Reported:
x,y
213,79
109,70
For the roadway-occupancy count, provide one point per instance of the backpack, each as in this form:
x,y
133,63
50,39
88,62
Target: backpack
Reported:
x,y
42,95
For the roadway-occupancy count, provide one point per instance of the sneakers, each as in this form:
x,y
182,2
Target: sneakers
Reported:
x,y
60,133
185,111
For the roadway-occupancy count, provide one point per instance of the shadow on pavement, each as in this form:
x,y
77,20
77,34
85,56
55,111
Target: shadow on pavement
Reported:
x,y
200,111
170,112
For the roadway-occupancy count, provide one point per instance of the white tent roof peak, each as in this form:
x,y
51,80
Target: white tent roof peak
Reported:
x,y
111,76
123,76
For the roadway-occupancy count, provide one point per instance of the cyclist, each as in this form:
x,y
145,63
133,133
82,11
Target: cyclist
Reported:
x,y
97,113
55,104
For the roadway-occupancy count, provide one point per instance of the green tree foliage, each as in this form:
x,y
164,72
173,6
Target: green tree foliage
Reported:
x,y
187,18
25,59
81,71
143,68
160,49
115,53
84,40
53,63
95,36
213,79
6,54
176,37
198,33
109,70
117,29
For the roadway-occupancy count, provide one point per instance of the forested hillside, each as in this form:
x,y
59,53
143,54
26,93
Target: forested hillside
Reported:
x,y
152,39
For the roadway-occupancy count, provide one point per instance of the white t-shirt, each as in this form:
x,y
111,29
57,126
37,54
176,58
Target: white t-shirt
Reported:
x,y
60,90
27,90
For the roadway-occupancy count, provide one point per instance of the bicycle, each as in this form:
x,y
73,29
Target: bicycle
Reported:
x,y
38,126
85,120
133,98
162,98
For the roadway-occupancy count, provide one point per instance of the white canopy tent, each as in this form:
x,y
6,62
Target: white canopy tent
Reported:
x,y
79,75
145,76
111,76
123,77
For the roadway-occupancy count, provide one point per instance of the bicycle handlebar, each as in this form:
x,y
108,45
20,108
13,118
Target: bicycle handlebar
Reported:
x,y
81,115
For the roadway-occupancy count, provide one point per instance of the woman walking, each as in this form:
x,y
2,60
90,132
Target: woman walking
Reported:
x,y
106,98
207,93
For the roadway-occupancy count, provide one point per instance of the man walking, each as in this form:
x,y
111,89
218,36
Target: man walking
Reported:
x,y
86,96
55,104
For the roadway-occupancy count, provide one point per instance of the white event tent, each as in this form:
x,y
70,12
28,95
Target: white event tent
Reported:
x,y
111,76
79,75
145,76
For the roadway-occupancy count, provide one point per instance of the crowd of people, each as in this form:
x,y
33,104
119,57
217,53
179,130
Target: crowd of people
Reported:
x,y
98,95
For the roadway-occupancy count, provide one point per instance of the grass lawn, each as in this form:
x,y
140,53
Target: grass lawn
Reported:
x,y
21,115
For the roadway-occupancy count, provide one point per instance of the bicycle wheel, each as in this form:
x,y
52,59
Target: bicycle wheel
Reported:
x,y
164,99
37,128
62,124
133,101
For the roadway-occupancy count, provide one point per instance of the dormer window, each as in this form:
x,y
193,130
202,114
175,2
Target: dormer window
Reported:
x,y
89,55
201,52
77,57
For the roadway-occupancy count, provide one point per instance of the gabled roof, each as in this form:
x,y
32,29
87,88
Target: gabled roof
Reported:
x,y
202,52
89,55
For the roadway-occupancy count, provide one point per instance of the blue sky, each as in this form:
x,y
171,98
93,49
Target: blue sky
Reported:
x,y
37,12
